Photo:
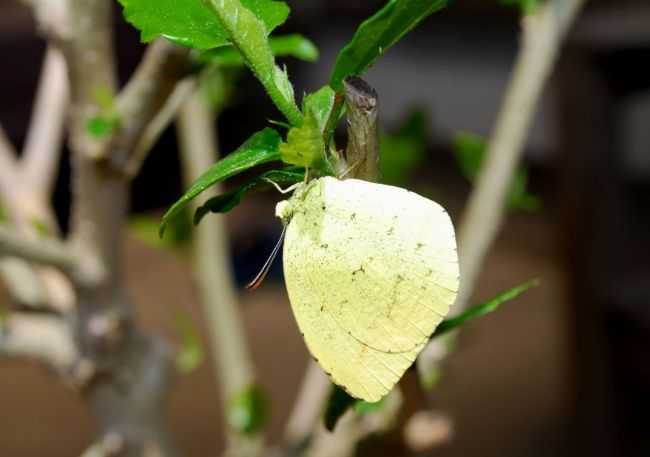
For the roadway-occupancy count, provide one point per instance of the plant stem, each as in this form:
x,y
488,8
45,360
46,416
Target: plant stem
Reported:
x,y
198,146
542,36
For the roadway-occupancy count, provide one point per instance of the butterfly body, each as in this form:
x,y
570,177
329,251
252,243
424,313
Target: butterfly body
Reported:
x,y
370,270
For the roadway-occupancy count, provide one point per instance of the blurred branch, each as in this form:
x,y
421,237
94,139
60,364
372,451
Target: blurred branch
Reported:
x,y
46,251
159,123
39,337
543,33
7,164
162,67
51,17
542,36
198,147
42,149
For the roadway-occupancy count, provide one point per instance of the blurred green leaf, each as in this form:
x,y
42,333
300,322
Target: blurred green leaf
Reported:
x,y
260,148
192,23
4,315
40,227
320,105
104,97
363,407
470,150
282,46
247,411
102,126
337,404
3,214
402,153
484,308
378,33
191,353
227,201
249,35
526,6
178,232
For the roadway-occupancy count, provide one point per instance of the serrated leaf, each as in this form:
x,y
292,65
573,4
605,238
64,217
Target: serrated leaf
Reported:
x,y
282,46
192,23
260,148
249,35
402,153
470,150
337,404
484,308
378,33
227,201
247,410
191,353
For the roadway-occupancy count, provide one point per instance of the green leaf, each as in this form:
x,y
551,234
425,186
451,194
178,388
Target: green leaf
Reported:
x,y
178,232
260,148
250,36
247,410
363,407
484,308
282,46
192,23
402,153
320,104
3,214
527,6
378,33
470,151
4,315
305,146
337,404
227,201
101,126
191,354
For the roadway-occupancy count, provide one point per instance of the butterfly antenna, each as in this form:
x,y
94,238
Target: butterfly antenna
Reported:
x,y
259,279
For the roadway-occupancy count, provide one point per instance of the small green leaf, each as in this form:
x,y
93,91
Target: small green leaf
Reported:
x,y
226,202
337,404
320,104
192,23
305,146
402,153
363,407
527,6
191,353
101,126
484,308
470,151
3,214
247,410
260,148
282,46
378,33
250,36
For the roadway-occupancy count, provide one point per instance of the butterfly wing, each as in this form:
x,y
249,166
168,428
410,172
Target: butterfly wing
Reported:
x,y
371,270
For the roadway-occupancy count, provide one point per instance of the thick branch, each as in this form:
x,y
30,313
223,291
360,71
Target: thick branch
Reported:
x,y
45,136
542,37
45,251
40,337
198,146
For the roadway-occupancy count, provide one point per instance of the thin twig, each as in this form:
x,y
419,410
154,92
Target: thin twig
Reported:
x,y
45,135
198,146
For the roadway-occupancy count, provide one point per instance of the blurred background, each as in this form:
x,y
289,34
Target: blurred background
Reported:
x,y
562,371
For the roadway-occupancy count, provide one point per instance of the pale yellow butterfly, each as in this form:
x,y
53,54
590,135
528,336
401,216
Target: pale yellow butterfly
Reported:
x,y
371,270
